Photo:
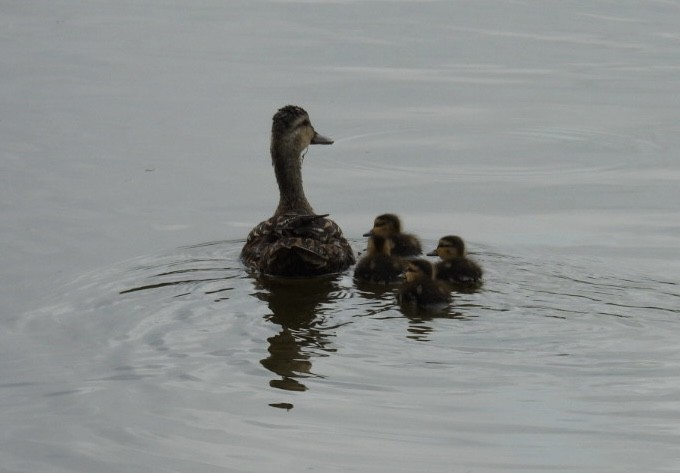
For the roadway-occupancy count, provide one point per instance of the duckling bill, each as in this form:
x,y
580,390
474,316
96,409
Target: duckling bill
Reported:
x,y
295,241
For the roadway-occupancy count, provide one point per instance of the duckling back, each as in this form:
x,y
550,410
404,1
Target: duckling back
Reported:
x,y
460,270
406,244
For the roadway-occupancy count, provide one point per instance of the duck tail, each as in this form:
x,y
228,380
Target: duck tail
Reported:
x,y
295,260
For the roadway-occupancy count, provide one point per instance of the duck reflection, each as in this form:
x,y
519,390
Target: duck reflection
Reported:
x,y
422,318
295,307
421,322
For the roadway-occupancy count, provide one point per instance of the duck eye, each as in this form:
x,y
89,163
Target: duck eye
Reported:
x,y
305,122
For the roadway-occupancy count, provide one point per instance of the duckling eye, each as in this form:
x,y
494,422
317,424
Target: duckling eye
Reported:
x,y
306,122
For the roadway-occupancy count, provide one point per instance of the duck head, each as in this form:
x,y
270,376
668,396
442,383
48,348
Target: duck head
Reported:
x,y
292,132
385,225
418,270
449,247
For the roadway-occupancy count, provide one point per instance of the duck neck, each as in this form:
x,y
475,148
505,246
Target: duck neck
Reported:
x,y
288,170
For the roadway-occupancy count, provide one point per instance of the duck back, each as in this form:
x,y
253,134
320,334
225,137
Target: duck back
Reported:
x,y
297,245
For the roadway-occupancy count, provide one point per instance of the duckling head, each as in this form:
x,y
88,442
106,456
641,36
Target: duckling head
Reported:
x,y
449,247
418,270
379,245
292,133
385,225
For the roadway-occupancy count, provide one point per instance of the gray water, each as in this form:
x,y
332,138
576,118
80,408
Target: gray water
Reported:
x,y
134,158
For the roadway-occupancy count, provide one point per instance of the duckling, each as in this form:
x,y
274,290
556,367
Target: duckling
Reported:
x,y
389,226
295,242
455,266
420,289
378,266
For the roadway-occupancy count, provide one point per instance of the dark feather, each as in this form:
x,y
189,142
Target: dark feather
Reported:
x,y
459,270
297,246
378,269
422,293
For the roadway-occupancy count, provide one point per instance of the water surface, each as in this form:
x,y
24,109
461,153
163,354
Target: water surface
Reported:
x,y
185,359
134,160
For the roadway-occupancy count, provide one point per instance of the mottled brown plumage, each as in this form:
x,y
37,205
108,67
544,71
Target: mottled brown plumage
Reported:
x,y
295,242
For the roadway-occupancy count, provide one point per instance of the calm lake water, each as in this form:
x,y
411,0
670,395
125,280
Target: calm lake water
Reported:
x,y
134,161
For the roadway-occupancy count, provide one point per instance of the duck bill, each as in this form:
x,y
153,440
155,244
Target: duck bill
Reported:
x,y
368,234
321,140
432,253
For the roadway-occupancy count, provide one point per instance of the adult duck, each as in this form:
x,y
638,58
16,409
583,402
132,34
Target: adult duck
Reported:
x,y
455,267
389,226
295,241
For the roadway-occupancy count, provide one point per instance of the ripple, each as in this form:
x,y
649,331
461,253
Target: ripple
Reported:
x,y
444,164
152,346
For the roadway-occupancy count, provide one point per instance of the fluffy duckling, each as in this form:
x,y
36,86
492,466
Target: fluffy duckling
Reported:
x,y
295,242
378,266
389,226
455,266
420,289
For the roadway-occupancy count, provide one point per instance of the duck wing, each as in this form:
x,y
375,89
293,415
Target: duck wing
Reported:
x,y
406,244
303,226
459,270
297,245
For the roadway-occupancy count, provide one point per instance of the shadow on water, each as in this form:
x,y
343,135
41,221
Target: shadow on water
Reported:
x,y
422,319
295,304
295,308
307,313
303,308
203,292
196,319
300,308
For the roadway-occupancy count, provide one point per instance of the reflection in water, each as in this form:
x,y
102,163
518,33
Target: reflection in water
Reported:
x,y
419,330
287,359
295,307
190,327
376,291
421,319
301,308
